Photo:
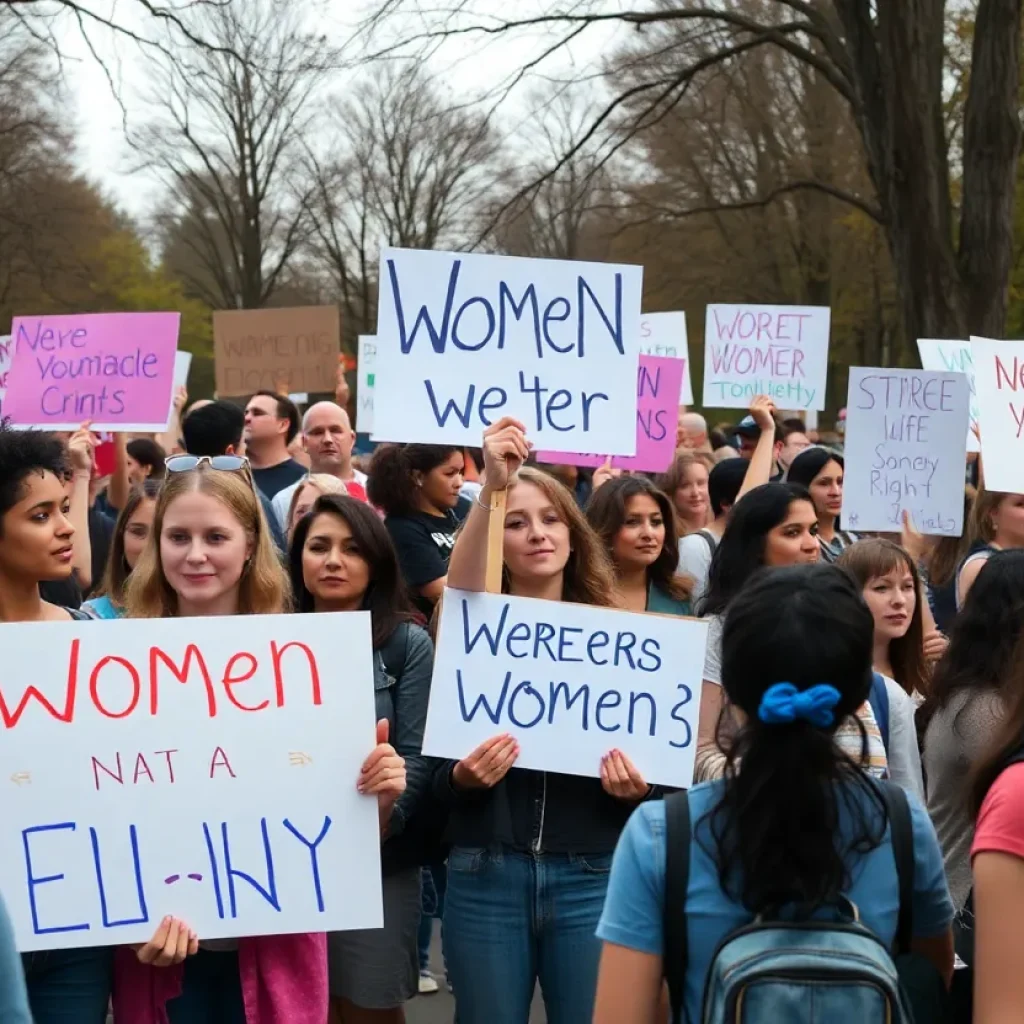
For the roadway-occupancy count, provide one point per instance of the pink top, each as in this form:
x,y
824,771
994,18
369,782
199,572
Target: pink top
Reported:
x,y
284,978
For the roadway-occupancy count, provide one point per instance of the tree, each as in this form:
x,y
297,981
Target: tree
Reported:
x,y
885,61
225,136
404,164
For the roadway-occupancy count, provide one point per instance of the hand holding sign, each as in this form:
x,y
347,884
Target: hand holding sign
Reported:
x,y
383,773
172,942
762,409
81,446
620,779
505,450
604,473
488,764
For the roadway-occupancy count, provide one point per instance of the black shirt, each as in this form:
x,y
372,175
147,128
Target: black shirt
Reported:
x,y
67,593
424,544
101,536
272,479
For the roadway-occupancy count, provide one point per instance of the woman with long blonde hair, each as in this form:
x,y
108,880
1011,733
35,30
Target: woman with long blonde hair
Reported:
x,y
526,839
996,524
210,552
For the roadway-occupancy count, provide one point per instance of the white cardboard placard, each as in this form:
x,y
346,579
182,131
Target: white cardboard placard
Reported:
x,y
229,801
464,339
778,351
999,379
906,438
570,682
953,357
664,334
366,363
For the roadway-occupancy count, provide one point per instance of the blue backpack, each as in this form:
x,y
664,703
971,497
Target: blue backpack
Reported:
x,y
878,698
815,971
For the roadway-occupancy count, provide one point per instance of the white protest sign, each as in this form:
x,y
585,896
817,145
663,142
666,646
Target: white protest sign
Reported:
x,y
366,360
570,682
953,357
5,365
182,364
778,351
181,767
906,438
999,379
463,340
664,334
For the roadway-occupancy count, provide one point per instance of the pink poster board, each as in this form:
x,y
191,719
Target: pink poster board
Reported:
x,y
659,382
115,369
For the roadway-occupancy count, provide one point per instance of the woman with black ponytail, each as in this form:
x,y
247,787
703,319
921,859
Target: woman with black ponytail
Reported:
x,y
794,825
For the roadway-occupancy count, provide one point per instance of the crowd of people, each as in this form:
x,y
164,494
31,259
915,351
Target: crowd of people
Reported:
x,y
861,696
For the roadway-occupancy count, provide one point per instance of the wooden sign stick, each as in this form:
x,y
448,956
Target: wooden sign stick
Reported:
x,y
496,541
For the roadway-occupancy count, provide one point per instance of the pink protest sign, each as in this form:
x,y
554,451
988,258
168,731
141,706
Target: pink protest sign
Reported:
x,y
115,369
659,382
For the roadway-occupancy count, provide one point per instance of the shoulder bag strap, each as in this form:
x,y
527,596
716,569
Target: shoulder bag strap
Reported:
x,y
902,837
677,878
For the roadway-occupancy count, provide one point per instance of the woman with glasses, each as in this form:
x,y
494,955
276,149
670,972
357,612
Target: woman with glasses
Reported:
x,y
210,553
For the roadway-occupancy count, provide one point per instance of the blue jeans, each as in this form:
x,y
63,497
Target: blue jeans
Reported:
x,y
435,881
511,919
69,986
211,991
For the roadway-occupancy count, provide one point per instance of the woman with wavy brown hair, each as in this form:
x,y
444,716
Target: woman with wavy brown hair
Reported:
x,y
526,839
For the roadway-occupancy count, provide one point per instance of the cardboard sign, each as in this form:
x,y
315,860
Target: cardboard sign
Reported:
x,y
263,349
664,334
657,397
906,443
178,767
5,365
182,364
570,682
365,382
115,369
953,357
463,340
999,378
778,351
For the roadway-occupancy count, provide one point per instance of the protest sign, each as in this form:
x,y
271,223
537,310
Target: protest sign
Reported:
x,y
570,682
906,433
657,396
664,334
953,357
778,351
365,381
182,364
183,768
115,369
463,340
5,365
269,349
999,379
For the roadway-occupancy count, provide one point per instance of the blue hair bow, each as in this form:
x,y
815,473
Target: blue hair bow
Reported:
x,y
784,703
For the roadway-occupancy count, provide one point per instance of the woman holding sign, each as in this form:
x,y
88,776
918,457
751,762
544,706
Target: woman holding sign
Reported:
x,y
635,521
342,560
531,850
211,553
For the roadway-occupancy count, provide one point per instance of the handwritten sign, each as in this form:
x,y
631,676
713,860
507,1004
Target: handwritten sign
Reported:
x,y
116,369
953,357
658,384
5,365
906,435
999,378
570,682
266,349
778,351
182,768
463,340
365,382
664,334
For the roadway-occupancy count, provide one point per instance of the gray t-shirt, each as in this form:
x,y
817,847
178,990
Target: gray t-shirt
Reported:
x,y
957,736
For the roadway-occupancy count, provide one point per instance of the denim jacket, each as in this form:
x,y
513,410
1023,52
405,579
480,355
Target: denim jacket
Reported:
x,y
401,679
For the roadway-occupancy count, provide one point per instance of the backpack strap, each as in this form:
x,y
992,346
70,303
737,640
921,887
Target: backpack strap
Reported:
x,y
901,832
709,540
878,698
393,653
677,879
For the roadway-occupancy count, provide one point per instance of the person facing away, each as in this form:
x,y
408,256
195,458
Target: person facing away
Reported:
x,y
327,437
217,428
271,424
793,826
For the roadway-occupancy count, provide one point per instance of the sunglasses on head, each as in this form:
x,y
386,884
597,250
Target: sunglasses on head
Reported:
x,y
188,463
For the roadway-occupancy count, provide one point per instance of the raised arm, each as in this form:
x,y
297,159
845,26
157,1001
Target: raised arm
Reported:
x,y
760,469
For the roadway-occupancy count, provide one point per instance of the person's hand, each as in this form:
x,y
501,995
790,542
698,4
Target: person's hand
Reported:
x,y
605,472
762,408
172,942
342,392
505,450
383,773
488,764
620,778
180,399
81,445
935,644
912,540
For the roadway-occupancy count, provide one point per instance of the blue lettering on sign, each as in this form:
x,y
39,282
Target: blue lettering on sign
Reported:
x,y
34,882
